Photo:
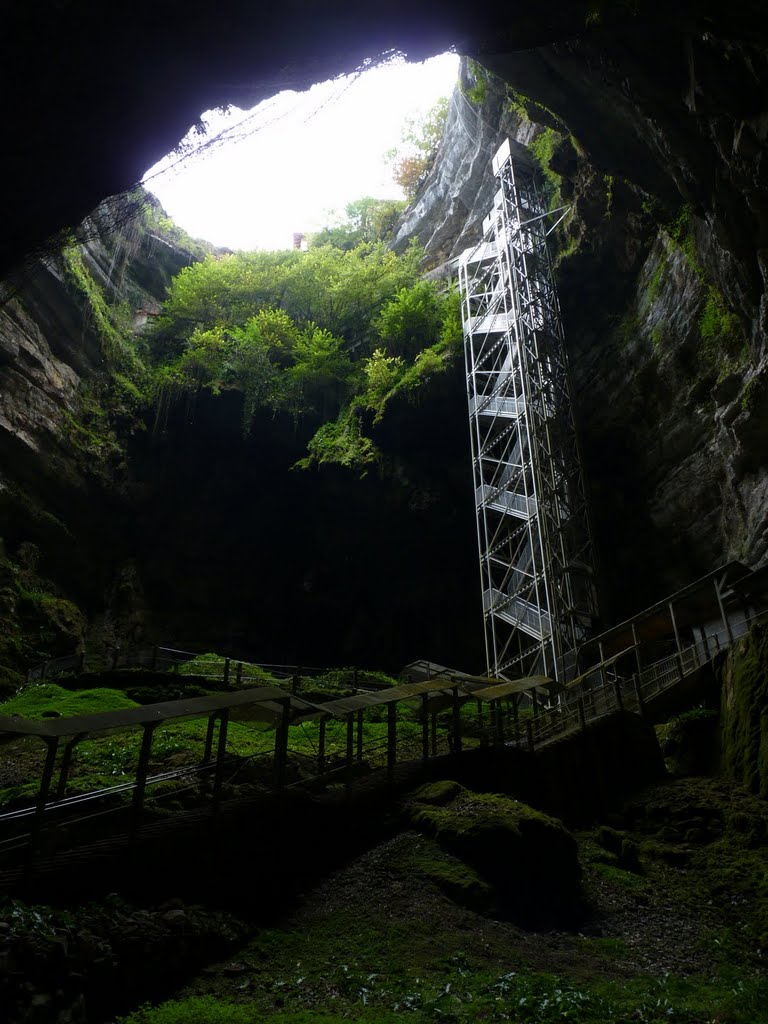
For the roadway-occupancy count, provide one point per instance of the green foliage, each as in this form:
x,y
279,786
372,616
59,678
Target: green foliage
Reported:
x,y
100,313
680,230
157,219
342,442
209,1010
654,284
543,148
420,139
364,220
407,323
382,375
478,92
332,331
717,325
744,733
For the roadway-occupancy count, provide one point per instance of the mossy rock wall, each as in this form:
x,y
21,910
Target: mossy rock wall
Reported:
x,y
744,711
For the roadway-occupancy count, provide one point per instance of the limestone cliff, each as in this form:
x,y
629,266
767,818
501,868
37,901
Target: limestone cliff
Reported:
x,y
65,417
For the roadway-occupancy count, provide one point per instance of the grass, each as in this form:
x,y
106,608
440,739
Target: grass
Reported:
x,y
457,989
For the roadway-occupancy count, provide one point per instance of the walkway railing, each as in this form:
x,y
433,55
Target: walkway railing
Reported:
x,y
605,691
316,746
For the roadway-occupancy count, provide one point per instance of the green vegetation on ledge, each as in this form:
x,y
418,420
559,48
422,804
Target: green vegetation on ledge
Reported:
x,y
329,332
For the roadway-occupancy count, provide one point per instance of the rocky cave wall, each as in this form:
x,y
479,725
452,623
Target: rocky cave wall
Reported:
x,y
661,288
122,528
661,119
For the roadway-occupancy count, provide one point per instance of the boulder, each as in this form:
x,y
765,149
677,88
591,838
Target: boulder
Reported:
x,y
527,857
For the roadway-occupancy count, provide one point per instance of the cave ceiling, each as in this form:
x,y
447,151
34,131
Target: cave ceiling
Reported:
x,y
95,94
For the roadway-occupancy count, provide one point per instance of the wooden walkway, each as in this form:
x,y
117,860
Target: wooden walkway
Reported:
x,y
455,712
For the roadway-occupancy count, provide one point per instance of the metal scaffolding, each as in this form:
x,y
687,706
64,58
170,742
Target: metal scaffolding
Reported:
x,y
536,553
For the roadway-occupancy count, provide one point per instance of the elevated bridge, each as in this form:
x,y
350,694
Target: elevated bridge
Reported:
x,y
437,714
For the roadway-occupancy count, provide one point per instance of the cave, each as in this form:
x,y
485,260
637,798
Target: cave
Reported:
x,y
660,122
651,126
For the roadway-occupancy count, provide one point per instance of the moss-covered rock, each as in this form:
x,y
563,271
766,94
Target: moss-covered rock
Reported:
x,y
438,793
528,858
452,876
744,711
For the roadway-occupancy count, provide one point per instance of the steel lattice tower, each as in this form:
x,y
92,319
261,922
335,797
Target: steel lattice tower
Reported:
x,y
536,553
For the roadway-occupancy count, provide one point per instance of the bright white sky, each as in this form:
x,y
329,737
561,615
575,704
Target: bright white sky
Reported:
x,y
303,156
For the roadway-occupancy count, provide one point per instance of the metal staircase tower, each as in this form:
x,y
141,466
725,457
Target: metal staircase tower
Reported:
x,y
536,553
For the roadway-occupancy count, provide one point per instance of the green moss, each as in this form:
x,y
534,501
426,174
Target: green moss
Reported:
x,y
749,395
437,793
543,148
477,93
680,230
452,876
490,832
654,284
744,711
716,323
39,700
626,879
209,1010
110,328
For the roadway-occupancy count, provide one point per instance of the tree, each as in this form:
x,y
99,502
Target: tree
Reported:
x,y
365,220
331,331
420,137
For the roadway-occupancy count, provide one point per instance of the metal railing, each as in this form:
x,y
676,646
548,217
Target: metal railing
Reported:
x,y
163,659
605,691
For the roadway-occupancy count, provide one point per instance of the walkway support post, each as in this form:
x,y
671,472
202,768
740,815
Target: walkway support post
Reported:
x,y
456,721
209,738
433,730
225,679
723,613
142,770
618,693
349,754
359,735
221,753
674,627
636,642
639,694
582,715
391,739
66,764
321,746
52,745
281,743
424,727
350,739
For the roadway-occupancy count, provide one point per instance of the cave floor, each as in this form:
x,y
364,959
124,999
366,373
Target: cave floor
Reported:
x,y
675,931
